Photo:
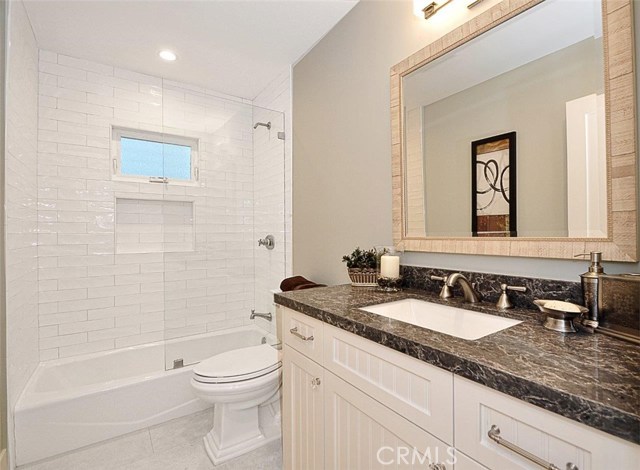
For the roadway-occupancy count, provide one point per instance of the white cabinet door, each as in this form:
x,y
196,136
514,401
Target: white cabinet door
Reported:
x,y
363,434
548,436
412,388
303,412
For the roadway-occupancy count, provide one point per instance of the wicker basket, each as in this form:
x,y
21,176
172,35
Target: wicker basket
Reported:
x,y
363,278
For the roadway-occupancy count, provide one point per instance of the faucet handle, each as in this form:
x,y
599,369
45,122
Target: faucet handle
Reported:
x,y
503,301
445,292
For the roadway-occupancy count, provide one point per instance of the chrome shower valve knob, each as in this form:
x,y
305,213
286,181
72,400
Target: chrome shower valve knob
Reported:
x,y
269,242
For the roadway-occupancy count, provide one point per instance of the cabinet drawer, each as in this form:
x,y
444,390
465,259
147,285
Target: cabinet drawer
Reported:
x,y
419,391
303,334
363,434
548,436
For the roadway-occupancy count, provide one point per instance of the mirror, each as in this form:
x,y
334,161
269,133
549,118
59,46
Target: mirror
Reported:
x,y
505,137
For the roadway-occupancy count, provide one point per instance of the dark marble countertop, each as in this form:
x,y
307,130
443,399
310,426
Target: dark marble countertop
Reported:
x,y
592,379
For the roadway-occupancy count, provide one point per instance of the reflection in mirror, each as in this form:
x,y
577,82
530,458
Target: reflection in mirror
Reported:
x,y
539,75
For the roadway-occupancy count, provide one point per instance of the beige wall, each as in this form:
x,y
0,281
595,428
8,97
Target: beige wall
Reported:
x,y
3,357
341,154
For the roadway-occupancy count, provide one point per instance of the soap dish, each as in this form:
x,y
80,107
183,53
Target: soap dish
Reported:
x,y
560,315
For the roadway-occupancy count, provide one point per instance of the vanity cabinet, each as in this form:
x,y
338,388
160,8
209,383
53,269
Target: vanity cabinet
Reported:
x,y
350,403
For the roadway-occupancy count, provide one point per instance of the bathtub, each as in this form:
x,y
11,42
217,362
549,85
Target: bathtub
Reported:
x,y
74,402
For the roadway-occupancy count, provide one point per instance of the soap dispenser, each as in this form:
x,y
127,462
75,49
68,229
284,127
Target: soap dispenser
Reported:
x,y
591,289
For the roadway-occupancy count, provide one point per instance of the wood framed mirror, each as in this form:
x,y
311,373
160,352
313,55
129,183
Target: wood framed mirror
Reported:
x,y
415,210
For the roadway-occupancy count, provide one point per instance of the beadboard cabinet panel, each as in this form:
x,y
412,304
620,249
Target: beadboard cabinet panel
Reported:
x,y
406,385
362,433
303,412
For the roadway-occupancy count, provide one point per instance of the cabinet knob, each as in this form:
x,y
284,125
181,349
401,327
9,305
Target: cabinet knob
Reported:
x,y
315,383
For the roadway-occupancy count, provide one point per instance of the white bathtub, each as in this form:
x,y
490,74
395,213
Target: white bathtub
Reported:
x,y
74,402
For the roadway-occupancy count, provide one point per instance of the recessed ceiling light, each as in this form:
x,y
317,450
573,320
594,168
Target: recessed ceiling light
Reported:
x,y
167,55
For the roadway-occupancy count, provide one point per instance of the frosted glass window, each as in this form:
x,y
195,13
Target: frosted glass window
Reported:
x,y
140,155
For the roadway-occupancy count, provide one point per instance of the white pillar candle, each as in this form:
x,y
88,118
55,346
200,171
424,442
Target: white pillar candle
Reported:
x,y
390,266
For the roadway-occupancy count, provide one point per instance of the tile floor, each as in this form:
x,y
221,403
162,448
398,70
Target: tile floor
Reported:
x,y
175,445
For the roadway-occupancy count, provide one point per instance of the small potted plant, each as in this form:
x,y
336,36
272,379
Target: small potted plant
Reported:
x,y
361,266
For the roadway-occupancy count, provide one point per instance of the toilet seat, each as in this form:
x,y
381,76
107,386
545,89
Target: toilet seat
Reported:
x,y
238,365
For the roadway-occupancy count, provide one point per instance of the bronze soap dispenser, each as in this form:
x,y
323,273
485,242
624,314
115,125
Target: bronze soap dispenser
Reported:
x,y
591,289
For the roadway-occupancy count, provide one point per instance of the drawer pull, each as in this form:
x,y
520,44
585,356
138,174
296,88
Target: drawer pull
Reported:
x,y
494,435
294,332
315,383
437,466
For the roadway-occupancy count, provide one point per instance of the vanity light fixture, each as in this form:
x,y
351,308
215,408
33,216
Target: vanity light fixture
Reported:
x,y
168,55
474,3
433,8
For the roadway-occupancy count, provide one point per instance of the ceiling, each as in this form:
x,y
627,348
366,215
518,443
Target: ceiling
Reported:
x,y
231,46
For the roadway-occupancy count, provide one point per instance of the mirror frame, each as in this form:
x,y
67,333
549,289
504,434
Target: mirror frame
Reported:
x,y
620,104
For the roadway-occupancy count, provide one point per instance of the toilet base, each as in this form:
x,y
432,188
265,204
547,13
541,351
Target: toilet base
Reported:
x,y
236,432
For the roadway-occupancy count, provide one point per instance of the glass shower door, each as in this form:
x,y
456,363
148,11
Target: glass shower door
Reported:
x,y
231,194
270,234
208,260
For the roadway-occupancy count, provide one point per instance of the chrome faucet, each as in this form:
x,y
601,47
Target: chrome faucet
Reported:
x,y
470,294
266,316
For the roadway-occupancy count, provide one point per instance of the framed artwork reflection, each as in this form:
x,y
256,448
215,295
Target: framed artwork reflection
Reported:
x,y
493,186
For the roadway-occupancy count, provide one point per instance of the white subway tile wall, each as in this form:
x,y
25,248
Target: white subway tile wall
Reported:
x,y
108,282
21,194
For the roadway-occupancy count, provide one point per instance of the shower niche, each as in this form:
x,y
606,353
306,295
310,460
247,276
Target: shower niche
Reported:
x,y
154,226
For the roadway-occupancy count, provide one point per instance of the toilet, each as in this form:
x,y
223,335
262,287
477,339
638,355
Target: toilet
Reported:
x,y
243,385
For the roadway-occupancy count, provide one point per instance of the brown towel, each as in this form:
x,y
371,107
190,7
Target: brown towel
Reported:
x,y
297,283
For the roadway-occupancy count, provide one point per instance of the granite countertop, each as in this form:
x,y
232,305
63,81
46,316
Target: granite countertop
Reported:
x,y
592,379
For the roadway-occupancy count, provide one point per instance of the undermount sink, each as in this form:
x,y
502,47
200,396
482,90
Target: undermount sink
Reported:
x,y
465,324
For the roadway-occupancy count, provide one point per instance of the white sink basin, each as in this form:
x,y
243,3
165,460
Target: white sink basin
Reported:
x,y
453,321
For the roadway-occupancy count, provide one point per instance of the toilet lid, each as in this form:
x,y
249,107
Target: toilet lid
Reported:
x,y
238,364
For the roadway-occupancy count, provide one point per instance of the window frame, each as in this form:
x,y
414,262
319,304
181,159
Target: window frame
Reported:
x,y
117,133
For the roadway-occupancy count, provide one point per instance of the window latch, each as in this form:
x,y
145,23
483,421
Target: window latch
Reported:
x,y
158,179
